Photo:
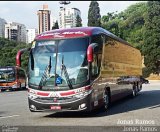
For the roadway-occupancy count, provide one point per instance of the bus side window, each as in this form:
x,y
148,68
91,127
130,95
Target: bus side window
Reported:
x,y
96,64
95,68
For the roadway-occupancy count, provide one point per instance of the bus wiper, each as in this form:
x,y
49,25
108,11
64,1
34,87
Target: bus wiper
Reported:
x,y
49,65
63,68
45,74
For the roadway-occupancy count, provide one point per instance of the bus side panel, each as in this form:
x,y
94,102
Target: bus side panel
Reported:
x,y
118,62
97,93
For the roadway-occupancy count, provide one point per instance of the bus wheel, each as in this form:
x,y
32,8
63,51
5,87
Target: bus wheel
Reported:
x,y
106,100
139,87
134,91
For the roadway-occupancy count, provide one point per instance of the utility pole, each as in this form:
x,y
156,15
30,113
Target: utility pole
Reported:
x,y
64,3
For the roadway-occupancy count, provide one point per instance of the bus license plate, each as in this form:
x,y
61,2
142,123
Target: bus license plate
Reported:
x,y
55,107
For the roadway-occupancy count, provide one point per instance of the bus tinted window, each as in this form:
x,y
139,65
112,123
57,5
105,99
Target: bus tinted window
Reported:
x,y
68,45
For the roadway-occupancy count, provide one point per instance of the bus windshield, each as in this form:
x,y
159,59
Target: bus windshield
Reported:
x,y
58,64
7,75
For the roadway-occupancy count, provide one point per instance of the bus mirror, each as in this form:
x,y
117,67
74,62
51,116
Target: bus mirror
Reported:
x,y
92,48
18,56
90,54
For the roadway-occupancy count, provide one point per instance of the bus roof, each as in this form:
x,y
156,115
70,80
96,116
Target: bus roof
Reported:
x,y
76,32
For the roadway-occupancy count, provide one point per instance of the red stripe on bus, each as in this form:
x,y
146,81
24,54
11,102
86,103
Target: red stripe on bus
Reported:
x,y
42,94
67,93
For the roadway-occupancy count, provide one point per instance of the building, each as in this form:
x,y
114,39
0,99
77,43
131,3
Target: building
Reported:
x,y
67,17
2,27
44,19
31,34
15,31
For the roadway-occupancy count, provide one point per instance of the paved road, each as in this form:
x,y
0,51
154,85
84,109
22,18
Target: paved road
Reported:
x,y
143,110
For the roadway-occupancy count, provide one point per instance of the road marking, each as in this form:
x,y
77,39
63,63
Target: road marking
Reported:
x,y
9,116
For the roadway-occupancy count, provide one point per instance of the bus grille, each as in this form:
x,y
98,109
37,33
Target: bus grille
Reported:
x,y
58,100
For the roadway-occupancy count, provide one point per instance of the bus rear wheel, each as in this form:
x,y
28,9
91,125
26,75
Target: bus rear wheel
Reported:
x,y
106,100
134,90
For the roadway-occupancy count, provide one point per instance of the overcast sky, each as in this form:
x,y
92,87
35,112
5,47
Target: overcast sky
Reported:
x,y
25,12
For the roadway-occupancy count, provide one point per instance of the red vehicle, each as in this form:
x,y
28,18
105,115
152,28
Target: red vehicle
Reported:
x,y
12,78
80,69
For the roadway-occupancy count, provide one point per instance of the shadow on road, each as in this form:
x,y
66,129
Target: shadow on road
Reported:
x,y
2,112
145,99
13,90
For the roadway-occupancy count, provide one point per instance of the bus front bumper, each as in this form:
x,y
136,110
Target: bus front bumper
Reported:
x,y
83,104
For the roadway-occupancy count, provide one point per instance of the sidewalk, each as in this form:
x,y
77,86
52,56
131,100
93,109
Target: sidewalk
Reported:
x,y
154,81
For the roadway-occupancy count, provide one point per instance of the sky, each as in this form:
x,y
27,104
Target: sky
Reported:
x,y
25,12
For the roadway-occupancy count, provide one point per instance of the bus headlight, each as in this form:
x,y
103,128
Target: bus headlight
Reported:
x,y
80,95
33,107
82,106
31,94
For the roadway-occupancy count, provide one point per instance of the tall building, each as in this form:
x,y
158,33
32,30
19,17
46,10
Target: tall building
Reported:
x,y
44,19
67,17
15,31
31,34
2,27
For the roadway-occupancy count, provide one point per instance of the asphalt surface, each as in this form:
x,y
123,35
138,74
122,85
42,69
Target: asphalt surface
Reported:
x,y
141,111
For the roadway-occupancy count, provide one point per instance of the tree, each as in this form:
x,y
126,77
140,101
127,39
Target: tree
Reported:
x,y
94,17
56,26
133,23
127,24
112,23
108,17
78,21
9,50
151,47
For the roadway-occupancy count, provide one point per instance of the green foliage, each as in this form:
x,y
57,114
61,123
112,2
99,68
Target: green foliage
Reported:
x,y
134,23
94,17
56,26
9,50
128,24
139,25
78,21
111,22
151,47
146,72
